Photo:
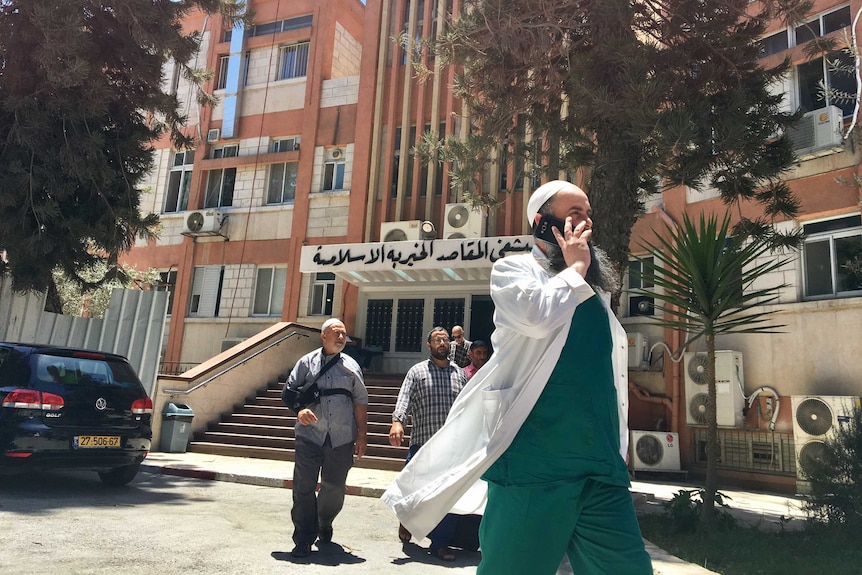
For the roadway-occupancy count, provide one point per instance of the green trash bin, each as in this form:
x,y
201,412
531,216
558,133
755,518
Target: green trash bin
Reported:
x,y
176,427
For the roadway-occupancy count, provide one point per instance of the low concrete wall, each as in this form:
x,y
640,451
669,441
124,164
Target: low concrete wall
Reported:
x,y
215,387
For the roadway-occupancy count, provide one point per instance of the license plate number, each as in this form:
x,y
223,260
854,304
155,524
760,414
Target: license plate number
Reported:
x,y
96,441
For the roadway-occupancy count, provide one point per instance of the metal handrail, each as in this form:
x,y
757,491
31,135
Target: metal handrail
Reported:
x,y
237,364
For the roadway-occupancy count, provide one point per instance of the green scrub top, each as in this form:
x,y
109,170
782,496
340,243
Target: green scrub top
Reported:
x,y
572,433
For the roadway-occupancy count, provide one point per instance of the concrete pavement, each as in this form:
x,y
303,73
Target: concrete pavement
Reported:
x,y
766,510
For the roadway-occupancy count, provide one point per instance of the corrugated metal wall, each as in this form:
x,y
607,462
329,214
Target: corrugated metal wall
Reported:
x,y
133,326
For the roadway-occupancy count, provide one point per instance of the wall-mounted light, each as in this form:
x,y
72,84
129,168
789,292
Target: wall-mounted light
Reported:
x,y
427,231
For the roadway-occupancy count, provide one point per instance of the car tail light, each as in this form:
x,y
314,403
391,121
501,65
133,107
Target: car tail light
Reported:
x,y
142,406
33,399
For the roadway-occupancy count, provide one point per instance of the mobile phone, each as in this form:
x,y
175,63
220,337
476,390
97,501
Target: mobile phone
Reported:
x,y
543,229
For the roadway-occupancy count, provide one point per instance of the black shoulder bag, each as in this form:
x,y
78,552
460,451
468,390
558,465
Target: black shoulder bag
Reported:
x,y
298,398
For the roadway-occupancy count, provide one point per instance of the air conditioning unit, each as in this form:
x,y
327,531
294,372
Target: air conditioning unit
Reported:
x,y
213,135
638,358
729,385
818,133
203,223
641,305
400,231
459,221
816,418
334,154
655,451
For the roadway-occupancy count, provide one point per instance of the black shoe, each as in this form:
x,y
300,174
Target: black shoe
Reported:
x,y
301,550
325,535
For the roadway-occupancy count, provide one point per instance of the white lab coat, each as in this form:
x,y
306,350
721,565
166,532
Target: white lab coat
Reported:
x,y
533,315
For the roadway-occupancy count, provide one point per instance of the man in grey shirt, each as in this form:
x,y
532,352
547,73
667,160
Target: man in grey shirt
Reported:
x,y
328,436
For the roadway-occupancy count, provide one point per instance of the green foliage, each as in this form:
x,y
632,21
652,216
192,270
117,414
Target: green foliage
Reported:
x,y
82,98
705,279
754,550
94,303
628,93
835,477
684,508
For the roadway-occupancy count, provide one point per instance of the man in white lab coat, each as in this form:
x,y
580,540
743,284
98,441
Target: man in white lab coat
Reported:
x,y
544,421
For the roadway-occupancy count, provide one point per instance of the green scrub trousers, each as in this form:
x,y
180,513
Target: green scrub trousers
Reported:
x,y
562,487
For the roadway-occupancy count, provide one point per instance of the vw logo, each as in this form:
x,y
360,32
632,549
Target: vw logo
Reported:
x,y
101,404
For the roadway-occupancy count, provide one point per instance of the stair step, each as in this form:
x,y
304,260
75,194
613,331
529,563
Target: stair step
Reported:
x,y
280,454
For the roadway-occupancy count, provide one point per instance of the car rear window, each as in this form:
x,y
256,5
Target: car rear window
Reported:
x,y
83,371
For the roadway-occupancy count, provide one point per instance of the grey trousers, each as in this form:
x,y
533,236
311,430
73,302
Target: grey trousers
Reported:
x,y
312,512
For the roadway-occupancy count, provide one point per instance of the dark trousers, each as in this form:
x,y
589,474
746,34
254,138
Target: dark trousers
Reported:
x,y
442,535
314,512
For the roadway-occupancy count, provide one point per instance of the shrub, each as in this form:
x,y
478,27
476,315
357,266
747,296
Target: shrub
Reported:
x,y
835,476
684,508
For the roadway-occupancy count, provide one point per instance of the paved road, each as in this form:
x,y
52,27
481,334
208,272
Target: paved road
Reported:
x,y
69,523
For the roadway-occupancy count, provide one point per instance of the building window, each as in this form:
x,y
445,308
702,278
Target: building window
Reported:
x,y
285,145
333,175
281,186
827,72
220,184
821,25
179,182
230,151
378,323
221,78
206,291
269,291
408,326
322,293
167,282
293,61
832,258
640,277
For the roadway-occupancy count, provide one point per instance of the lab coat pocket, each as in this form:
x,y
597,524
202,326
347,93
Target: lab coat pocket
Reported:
x,y
492,403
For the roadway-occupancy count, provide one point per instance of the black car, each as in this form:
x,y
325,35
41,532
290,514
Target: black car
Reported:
x,y
64,408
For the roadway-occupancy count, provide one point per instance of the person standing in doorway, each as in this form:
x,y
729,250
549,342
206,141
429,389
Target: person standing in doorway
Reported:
x,y
478,356
426,395
459,347
329,434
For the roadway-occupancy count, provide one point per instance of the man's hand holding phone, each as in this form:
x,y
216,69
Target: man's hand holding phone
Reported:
x,y
573,241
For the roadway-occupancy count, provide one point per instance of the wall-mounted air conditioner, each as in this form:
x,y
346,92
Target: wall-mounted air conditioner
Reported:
x,y
641,305
203,223
213,135
816,419
729,386
459,221
400,231
818,133
637,350
654,451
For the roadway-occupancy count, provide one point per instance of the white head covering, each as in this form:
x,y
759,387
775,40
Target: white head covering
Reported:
x,y
544,193
330,322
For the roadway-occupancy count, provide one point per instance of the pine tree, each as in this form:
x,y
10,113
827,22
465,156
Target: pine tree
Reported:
x,y
632,93
81,101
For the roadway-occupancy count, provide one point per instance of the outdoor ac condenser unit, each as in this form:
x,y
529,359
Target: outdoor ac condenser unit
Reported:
x,y
816,419
655,451
818,133
400,231
729,385
203,223
460,221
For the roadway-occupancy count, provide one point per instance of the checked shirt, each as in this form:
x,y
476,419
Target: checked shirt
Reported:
x,y
427,394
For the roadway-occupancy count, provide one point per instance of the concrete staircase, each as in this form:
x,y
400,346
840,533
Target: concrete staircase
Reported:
x,y
263,427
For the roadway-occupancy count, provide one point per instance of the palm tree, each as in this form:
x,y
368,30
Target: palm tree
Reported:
x,y
704,284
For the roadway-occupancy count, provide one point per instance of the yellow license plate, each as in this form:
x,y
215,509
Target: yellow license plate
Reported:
x,y
96,441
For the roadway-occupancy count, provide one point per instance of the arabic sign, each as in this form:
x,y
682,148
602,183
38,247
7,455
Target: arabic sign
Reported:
x,y
427,254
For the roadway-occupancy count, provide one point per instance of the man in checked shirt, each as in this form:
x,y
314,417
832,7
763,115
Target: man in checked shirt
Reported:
x,y
427,394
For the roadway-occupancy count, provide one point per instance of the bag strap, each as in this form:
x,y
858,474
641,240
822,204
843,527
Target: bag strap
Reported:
x,y
326,366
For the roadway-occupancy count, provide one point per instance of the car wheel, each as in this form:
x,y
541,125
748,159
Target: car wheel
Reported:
x,y
120,475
